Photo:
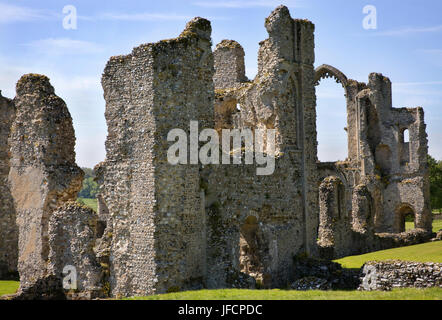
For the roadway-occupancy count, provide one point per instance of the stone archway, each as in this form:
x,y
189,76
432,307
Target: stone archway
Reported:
x,y
329,145
404,212
251,245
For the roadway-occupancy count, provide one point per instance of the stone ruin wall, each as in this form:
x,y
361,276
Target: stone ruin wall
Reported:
x,y
157,88
388,275
382,176
9,232
165,228
280,205
41,178
72,236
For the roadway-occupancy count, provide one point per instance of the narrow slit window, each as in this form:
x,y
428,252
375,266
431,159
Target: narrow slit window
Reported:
x,y
406,136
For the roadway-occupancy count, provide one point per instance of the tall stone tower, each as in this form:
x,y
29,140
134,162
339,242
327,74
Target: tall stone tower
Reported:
x,y
158,218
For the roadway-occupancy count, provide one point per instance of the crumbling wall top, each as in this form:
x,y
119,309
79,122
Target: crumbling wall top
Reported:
x,y
34,83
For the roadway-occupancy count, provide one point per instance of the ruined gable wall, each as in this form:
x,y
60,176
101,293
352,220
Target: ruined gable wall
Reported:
x,y
281,97
400,166
158,222
392,171
8,228
43,172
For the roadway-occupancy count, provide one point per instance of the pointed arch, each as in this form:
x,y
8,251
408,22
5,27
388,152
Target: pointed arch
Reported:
x,y
327,71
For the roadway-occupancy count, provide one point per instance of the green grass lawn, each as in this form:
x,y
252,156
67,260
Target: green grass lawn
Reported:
x,y
8,287
437,225
91,203
277,294
426,252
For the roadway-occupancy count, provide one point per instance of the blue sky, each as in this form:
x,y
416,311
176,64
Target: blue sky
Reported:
x,y
406,47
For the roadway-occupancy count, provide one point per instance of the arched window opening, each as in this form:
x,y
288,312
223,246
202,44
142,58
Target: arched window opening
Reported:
x,y
405,219
331,123
406,136
404,146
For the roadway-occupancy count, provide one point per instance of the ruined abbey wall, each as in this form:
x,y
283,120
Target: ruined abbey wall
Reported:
x,y
43,173
164,227
280,204
9,233
158,236
384,177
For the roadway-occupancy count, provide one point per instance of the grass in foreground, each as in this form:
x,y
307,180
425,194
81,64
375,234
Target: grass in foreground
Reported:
x,y
8,287
91,203
277,294
426,252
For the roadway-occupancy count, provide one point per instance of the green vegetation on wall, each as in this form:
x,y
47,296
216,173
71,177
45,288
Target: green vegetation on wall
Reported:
x,y
435,168
90,187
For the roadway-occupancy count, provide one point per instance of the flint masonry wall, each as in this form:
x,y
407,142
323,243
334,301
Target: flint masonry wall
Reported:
x,y
229,63
158,239
9,232
72,237
43,173
387,275
164,227
393,172
400,166
282,204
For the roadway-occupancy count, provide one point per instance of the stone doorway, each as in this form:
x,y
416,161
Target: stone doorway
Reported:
x,y
404,214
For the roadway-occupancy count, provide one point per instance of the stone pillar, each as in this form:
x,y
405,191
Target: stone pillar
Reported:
x,y
43,172
229,65
362,210
328,211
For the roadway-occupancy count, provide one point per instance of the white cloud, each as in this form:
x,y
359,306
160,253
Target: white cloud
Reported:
x,y
247,4
406,31
144,16
12,13
60,46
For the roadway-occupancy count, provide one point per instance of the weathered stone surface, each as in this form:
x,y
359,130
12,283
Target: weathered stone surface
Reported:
x,y
387,275
72,236
158,233
384,178
283,205
229,65
233,224
163,227
8,227
318,274
43,172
